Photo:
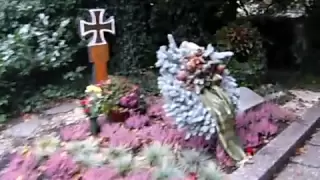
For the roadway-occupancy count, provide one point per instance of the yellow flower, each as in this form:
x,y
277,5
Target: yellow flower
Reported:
x,y
94,89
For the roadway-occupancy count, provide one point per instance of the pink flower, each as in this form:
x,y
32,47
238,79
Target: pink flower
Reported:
x,y
192,176
130,101
182,76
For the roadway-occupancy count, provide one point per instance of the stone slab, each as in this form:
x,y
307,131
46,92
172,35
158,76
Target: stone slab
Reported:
x,y
23,129
275,154
298,172
315,140
248,99
63,108
310,158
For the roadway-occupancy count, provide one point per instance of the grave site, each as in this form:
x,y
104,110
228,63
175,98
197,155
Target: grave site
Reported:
x,y
201,126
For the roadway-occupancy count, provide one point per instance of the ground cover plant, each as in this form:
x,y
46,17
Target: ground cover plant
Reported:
x,y
150,143
139,152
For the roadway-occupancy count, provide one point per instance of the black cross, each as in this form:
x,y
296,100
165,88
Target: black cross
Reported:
x,y
97,27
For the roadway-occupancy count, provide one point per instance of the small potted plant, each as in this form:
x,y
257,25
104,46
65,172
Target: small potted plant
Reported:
x,y
119,97
114,98
92,106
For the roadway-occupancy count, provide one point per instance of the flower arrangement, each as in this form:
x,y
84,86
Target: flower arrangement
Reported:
x,y
199,92
114,98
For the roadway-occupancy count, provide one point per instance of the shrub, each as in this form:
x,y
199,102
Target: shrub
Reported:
x,y
249,62
40,40
33,42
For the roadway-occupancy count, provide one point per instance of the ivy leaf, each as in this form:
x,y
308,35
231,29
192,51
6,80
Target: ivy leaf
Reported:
x,y
3,118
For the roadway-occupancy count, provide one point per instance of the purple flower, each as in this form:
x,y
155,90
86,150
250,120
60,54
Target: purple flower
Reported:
x,y
125,137
22,166
137,121
60,166
130,101
163,134
75,132
101,173
145,174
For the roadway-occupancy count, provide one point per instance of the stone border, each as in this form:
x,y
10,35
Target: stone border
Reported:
x,y
272,157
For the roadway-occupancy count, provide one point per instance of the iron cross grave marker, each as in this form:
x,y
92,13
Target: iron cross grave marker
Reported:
x,y
98,46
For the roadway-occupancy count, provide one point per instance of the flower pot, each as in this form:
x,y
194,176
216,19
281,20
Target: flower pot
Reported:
x,y
118,115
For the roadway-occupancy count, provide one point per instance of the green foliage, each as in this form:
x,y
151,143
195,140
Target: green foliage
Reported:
x,y
156,153
168,171
40,44
210,171
249,62
113,153
86,152
146,79
46,146
124,164
310,62
192,161
33,43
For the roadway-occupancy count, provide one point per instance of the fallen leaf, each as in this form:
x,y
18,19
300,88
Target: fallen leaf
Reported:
x,y
301,150
77,176
26,150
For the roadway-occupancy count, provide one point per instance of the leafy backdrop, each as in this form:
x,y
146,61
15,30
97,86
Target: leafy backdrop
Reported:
x,y
40,47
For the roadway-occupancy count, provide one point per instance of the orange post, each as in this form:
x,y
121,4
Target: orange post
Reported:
x,y
99,55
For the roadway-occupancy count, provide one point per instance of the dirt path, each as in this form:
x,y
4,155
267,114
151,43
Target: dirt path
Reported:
x,y
25,129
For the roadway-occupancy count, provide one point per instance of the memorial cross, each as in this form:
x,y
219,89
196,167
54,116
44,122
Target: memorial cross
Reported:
x,y
98,46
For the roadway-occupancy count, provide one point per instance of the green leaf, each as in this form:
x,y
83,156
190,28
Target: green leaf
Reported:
x,y
220,107
3,118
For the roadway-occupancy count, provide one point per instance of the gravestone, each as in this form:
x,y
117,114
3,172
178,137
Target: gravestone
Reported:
x,y
248,99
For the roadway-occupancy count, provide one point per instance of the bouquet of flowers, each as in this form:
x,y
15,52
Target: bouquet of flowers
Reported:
x,y
114,98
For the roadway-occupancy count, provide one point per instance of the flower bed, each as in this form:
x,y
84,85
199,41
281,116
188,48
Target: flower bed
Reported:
x,y
129,136
138,148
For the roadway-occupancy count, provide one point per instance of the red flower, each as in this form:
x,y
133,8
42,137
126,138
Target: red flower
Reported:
x,y
192,176
86,110
250,151
84,102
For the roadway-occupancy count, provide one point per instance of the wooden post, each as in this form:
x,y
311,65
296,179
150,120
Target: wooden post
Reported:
x,y
98,46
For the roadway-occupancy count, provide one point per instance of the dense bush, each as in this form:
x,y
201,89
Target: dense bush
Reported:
x,y
311,61
249,63
33,42
40,44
